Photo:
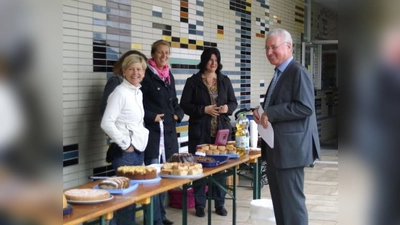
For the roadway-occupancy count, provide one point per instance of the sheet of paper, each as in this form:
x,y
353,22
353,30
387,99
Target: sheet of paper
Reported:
x,y
266,134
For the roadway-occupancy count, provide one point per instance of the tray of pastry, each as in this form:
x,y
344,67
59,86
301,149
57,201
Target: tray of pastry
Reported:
x,y
211,160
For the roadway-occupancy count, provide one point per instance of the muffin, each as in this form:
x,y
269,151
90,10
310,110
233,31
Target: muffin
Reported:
x,y
221,148
213,147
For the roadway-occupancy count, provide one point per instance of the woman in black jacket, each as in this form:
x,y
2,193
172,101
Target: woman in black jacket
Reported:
x,y
208,98
160,103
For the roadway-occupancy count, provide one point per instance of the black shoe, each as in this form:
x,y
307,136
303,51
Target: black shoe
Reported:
x,y
221,211
200,211
167,222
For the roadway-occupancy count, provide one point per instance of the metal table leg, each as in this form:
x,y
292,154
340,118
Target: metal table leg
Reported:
x,y
257,180
184,204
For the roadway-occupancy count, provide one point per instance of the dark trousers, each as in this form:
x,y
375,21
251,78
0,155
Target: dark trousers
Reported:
x,y
158,203
199,188
286,187
126,215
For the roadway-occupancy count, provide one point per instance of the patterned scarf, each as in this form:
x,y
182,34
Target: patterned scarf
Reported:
x,y
162,73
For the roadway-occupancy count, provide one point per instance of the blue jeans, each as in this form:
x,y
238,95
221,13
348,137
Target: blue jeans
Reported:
x,y
158,203
127,215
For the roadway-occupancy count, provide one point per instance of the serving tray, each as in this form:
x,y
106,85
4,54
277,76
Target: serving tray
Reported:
x,y
231,156
219,159
148,181
182,177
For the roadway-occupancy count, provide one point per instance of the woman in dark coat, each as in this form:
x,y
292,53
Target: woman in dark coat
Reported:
x,y
208,98
160,103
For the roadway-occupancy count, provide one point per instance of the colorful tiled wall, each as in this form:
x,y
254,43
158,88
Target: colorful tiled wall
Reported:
x,y
96,32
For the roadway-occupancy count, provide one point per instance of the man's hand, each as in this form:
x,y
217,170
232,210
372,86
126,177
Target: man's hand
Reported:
x,y
256,116
264,120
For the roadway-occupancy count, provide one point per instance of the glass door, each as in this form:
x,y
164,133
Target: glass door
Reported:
x,y
310,60
321,60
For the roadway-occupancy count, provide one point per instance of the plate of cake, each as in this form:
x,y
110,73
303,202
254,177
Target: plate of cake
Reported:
x,y
214,150
212,161
117,185
87,196
179,170
139,174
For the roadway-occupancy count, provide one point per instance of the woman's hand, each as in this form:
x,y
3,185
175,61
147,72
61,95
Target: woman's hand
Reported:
x,y
158,118
223,109
212,110
130,149
176,118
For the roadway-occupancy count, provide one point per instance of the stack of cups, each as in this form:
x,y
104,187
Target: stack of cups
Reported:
x,y
253,134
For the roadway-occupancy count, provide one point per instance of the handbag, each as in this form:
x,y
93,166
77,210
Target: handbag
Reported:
x,y
114,151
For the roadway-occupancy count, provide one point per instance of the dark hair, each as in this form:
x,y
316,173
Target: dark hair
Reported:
x,y
206,56
117,68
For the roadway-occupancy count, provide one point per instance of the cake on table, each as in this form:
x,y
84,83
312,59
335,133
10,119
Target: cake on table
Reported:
x,y
181,169
115,183
210,149
137,172
86,194
182,157
204,159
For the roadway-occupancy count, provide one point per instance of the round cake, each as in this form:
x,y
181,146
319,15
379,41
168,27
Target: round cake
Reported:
x,y
182,157
86,194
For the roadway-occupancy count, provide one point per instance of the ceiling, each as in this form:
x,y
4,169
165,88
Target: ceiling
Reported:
x,y
331,4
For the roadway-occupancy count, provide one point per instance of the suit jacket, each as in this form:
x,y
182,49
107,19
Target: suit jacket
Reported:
x,y
291,111
195,97
160,98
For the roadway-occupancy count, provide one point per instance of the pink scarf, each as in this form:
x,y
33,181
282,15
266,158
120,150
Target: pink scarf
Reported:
x,y
162,73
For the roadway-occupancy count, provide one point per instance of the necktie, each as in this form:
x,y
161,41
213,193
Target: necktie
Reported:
x,y
272,87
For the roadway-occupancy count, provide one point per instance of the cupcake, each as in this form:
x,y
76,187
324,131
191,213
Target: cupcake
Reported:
x,y
221,148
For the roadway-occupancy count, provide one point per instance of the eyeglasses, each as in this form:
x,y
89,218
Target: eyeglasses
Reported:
x,y
274,47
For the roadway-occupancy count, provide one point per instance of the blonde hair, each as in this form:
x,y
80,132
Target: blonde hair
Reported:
x,y
117,68
134,58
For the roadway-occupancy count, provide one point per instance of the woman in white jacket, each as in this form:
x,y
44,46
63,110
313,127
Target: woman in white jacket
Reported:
x,y
123,120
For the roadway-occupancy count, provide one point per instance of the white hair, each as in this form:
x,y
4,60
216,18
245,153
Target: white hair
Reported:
x,y
281,32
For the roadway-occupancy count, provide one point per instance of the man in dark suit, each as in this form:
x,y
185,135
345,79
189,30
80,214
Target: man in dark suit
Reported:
x,y
289,107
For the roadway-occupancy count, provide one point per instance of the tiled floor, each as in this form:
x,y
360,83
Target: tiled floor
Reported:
x,y
321,189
